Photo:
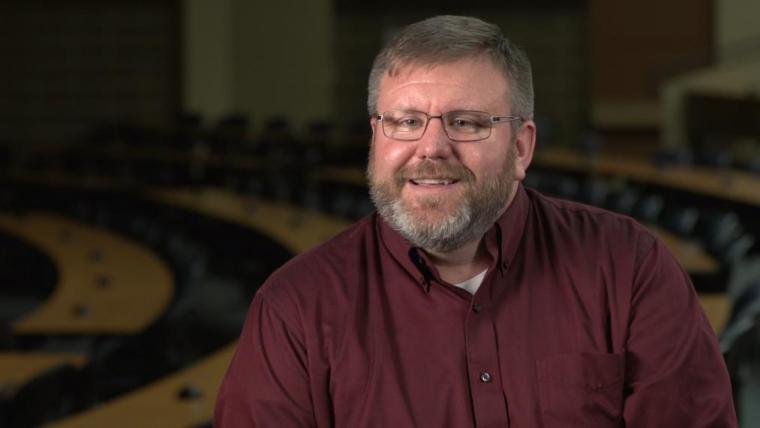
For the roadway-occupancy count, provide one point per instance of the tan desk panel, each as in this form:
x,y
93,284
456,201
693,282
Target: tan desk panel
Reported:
x,y
159,404
18,368
689,254
295,228
717,307
732,185
106,283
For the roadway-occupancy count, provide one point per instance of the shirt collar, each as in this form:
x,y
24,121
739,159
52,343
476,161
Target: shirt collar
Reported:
x,y
502,241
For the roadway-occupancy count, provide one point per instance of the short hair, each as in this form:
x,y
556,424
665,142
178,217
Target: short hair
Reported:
x,y
447,38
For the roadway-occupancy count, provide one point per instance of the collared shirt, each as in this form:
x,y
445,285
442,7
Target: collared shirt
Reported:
x,y
583,319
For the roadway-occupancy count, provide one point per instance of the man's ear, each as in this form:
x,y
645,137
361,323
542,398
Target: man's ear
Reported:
x,y
525,144
372,125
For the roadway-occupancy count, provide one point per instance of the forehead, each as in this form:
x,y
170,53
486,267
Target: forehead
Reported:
x,y
473,83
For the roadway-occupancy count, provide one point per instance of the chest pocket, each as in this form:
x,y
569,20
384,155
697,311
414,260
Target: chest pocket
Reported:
x,y
581,390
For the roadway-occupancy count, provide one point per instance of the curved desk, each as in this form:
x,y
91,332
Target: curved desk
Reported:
x,y
297,229
163,403
689,254
183,399
732,185
349,176
107,284
19,367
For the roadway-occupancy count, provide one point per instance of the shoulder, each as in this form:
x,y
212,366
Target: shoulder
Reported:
x,y
588,225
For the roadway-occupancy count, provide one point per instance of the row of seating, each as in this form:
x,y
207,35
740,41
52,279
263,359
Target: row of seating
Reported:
x,y
217,266
721,231
187,396
204,253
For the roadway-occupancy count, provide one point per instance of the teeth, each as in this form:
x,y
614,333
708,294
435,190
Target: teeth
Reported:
x,y
433,181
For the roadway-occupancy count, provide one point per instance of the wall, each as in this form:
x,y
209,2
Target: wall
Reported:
x,y
208,60
735,74
260,61
632,45
736,21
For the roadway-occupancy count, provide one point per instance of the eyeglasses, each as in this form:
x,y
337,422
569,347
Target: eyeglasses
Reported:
x,y
459,126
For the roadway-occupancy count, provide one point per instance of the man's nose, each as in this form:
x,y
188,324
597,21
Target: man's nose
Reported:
x,y
434,144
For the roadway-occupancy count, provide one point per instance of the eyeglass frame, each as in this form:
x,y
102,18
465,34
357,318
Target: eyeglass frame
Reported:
x,y
493,120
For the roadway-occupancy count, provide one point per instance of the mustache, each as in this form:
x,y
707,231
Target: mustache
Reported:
x,y
432,169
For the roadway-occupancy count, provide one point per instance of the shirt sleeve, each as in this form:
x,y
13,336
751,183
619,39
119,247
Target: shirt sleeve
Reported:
x,y
675,372
267,382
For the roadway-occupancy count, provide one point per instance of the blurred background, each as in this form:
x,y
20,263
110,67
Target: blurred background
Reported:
x,y
158,159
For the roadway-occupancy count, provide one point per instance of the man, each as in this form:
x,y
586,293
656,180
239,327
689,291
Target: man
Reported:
x,y
468,300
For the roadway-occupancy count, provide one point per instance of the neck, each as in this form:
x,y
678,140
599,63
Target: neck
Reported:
x,y
463,263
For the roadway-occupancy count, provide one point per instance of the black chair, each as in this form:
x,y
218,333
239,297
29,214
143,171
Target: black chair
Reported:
x,y
740,340
649,208
594,191
533,179
559,185
738,248
49,396
624,201
682,220
719,229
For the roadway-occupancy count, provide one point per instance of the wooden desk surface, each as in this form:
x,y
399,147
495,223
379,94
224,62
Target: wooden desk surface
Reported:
x,y
18,368
717,307
159,404
107,284
689,254
295,228
732,185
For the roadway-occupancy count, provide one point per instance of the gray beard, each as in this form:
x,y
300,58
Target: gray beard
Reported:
x,y
480,208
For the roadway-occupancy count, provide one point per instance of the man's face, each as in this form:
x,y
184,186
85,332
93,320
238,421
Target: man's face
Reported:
x,y
441,194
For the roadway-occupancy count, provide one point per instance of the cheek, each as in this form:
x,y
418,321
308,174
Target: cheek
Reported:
x,y
390,157
486,165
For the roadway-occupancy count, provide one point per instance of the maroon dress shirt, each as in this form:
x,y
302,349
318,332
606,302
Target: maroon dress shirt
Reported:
x,y
584,319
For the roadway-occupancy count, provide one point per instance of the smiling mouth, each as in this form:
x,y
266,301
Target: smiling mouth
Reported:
x,y
433,181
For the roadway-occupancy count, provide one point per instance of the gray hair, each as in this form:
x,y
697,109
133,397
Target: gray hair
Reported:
x,y
448,38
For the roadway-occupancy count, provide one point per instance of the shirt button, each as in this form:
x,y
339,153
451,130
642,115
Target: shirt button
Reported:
x,y
476,308
485,377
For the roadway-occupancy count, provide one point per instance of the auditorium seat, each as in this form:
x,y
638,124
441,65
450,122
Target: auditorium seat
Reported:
x,y
624,201
682,220
719,229
533,179
559,185
738,248
594,191
649,208
49,396
740,340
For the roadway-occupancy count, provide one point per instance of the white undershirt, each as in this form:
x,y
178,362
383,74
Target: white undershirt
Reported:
x,y
472,284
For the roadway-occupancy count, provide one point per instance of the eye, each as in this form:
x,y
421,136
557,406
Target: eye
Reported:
x,y
462,121
409,122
